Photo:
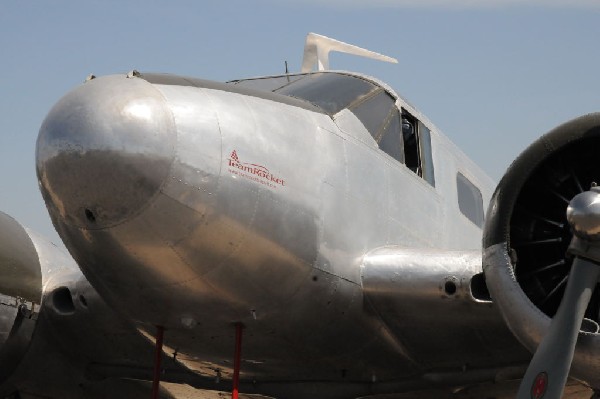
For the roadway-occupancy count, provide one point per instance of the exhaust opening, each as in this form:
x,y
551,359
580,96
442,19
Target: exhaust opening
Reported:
x,y
479,289
62,301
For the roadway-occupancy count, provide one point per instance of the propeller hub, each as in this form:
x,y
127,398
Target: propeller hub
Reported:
x,y
583,214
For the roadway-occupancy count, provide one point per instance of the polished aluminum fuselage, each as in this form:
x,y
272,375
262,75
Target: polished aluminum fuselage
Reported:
x,y
198,206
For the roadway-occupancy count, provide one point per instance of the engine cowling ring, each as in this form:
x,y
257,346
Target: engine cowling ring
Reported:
x,y
526,236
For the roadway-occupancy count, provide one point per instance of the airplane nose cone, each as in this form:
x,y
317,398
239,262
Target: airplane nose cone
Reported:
x,y
104,151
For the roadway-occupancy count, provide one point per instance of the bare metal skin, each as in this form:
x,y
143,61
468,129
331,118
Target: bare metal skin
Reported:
x,y
319,210
237,208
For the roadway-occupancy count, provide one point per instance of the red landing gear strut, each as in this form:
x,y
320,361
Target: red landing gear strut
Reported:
x,y
160,332
237,360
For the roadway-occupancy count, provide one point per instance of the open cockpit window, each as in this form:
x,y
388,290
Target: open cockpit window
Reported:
x,y
411,143
417,147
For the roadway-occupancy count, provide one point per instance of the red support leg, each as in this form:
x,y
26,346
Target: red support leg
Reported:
x,y
237,360
157,356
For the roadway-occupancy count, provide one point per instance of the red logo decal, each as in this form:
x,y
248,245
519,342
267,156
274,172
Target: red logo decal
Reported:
x,y
255,172
540,384
234,156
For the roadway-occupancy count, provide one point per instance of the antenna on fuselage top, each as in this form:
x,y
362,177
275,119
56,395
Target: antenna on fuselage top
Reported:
x,y
318,47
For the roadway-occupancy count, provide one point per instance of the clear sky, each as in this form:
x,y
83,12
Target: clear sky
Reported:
x,y
492,75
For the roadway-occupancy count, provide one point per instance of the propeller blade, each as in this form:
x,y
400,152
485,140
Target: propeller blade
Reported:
x,y
548,371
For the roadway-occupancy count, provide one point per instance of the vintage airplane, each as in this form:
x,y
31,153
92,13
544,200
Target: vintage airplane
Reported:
x,y
309,235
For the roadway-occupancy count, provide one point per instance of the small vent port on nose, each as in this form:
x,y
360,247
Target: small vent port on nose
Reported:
x,y
89,215
62,301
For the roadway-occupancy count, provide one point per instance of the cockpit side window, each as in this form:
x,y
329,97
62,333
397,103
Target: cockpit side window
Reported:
x,y
417,147
373,111
390,140
411,143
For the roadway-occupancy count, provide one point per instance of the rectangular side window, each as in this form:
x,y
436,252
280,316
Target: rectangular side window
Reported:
x,y
470,201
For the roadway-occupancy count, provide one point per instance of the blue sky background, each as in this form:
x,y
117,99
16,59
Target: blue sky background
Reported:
x,y
492,75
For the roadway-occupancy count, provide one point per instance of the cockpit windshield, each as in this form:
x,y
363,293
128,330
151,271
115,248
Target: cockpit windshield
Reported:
x,y
332,92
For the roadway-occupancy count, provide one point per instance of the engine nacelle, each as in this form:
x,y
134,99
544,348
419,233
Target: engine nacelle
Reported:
x,y
20,293
527,234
